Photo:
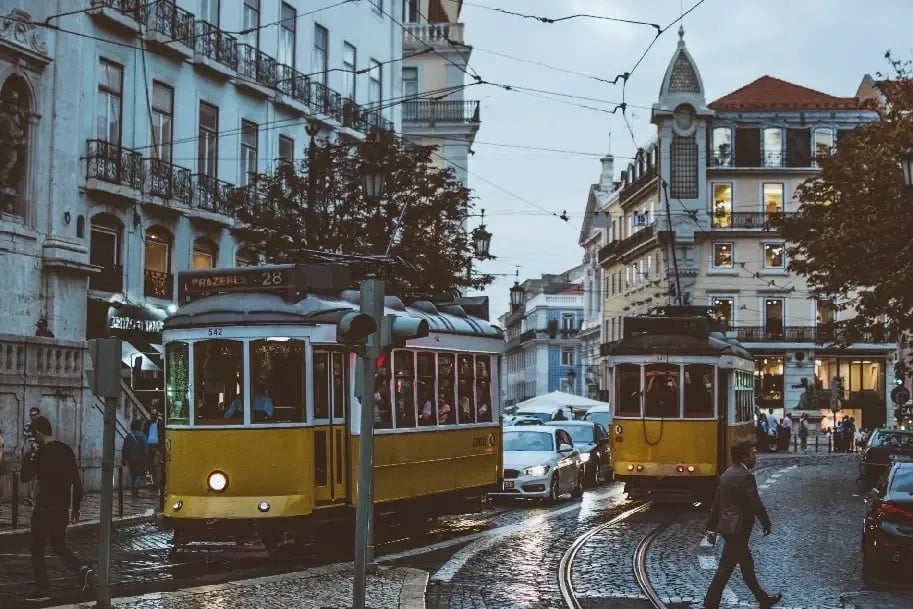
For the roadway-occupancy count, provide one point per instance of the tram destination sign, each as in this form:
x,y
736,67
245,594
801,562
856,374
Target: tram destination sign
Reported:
x,y
291,281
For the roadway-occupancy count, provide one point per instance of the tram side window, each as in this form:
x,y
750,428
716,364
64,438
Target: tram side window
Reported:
x,y
340,386
627,389
744,393
446,413
661,393
383,411
330,387
483,387
321,367
466,389
425,374
177,395
699,391
722,393
218,367
277,381
404,387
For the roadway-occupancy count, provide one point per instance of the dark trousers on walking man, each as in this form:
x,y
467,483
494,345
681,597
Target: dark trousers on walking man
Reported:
x,y
49,527
735,553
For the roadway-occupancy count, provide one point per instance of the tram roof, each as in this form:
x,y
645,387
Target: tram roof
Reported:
x,y
253,308
676,344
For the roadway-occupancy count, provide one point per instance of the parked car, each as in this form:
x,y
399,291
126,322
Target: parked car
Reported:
x,y
883,445
592,440
546,413
887,535
540,462
601,415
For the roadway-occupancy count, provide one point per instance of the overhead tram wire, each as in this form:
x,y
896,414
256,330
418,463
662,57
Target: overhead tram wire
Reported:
x,y
552,20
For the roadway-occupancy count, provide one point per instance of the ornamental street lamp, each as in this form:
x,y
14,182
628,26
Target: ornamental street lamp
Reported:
x,y
517,294
907,166
481,239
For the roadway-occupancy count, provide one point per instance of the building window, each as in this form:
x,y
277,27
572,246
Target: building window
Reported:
x,y
722,147
823,144
321,53
209,11
773,198
683,167
722,256
722,206
250,23
772,143
774,256
248,152
286,149
410,83
208,141
825,316
204,254
162,120
567,356
104,251
567,321
110,86
773,317
724,306
349,57
287,30
157,277
375,83
410,11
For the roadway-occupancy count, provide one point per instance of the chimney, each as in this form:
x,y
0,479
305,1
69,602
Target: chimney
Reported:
x,y
607,176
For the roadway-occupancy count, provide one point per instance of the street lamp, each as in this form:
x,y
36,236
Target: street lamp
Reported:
x,y
517,294
481,239
907,166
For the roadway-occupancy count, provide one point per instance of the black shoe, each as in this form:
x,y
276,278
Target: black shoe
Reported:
x,y
771,601
88,578
38,596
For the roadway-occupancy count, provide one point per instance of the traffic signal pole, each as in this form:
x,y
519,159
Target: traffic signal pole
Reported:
x,y
372,303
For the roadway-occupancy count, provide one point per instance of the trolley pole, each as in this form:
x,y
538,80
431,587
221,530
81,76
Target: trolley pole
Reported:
x,y
372,303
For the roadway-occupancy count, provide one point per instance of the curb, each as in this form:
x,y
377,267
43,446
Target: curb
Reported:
x,y
412,596
86,525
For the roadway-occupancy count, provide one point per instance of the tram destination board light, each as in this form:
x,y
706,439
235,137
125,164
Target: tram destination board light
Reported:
x,y
294,281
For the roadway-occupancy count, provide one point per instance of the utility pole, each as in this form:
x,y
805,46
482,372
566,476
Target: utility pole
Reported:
x,y
104,381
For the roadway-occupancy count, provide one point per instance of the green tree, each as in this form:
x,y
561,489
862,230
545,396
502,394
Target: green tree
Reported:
x,y
850,238
318,206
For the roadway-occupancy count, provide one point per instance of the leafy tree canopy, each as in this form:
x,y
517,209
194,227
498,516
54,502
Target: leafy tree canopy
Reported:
x,y
318,206
851,238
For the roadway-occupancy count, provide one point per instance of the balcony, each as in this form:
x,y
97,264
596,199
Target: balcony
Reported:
x,y
113,165
727,159
157,284
637,239
634,187
109,279
122,14
214,48
169,26
606,252
325,100
800,334
751,220
423,35
212,194
446,111
258,68
167,181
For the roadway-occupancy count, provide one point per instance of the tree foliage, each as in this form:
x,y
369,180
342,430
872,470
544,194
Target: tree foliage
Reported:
x,y
850,238
308,209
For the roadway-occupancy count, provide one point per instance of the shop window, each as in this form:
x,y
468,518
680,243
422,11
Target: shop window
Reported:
x,y
204,254
466,390
404,388
774,256
425,375
769,381
446,373
662,390
627,389
722,147
177,383
722,256
277,381
483,388
722,205
699,391
218,367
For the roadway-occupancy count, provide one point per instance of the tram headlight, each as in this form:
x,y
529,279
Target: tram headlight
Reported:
x,y
177,505
630,467
536,470
217,482
263,506
691,468
640,467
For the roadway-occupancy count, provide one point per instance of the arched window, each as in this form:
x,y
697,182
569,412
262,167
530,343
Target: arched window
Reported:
x,y
245,257
205,254
14,135
105,252
158,279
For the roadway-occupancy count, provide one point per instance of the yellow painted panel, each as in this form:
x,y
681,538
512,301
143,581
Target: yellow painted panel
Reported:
x,y
259,463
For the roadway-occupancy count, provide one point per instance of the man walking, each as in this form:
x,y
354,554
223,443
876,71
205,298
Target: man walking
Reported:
x,y
733,514
32,446
155,437
59,496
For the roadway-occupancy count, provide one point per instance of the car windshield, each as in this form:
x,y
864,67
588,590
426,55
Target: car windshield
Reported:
x,y
893,439
598,417
542,416
528,441
903,481
581,434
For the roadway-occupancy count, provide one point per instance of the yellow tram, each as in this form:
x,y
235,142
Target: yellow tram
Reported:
x,y
263,422
682,394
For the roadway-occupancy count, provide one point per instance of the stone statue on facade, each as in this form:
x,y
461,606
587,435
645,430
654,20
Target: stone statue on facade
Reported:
x,y
13,125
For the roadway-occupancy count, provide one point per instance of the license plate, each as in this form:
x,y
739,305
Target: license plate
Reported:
x,y
508,485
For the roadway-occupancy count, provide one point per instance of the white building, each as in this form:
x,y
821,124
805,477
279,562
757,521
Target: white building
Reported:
x,y
141,119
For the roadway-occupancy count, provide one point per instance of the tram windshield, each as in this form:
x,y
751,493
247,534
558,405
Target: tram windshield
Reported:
x,y
669,390
218,377
661,390
277,381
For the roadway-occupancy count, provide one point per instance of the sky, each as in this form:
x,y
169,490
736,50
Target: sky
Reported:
x,y
828,45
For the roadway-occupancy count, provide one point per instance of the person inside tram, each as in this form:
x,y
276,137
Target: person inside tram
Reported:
x,y
662,396
263,405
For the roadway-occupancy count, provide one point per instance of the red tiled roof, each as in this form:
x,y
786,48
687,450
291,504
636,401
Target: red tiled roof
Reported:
x,y
769,93
892,89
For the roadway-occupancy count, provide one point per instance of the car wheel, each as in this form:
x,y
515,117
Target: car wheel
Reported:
x,y
553,490
578,488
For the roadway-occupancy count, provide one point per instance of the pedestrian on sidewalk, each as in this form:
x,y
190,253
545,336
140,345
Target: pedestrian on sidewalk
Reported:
x,y
803,432
735,508
787,431
134,454
155,438
32,488
53,465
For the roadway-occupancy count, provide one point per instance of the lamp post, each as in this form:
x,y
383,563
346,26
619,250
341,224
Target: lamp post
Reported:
x,y
481,239
517,294
907,166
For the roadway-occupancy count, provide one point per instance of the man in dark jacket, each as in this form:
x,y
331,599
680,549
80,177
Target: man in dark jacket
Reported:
x,y
154,429
59,496
735,508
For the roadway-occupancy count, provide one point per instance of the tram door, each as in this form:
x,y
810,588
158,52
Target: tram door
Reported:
x,y
330,440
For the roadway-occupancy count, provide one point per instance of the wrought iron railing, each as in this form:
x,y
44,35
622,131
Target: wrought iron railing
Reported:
x,y
638,238
168,181
164,17
158,284
109,279
454,111
114,164
325,100
130,8
606,251
212,194
744,220
257,66
773,159
215,44
801,334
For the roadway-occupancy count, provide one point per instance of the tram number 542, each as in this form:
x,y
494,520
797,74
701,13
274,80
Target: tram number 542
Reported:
x,y
215,331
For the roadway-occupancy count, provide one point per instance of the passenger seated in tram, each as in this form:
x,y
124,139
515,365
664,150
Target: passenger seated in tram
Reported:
x,y
263,405
662,396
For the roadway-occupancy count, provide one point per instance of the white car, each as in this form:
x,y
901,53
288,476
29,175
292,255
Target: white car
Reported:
x,y
540,462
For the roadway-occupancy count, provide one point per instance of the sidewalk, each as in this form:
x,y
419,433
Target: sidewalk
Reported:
x,y
327,587
137,510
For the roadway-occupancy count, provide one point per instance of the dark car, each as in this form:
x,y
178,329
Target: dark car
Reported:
x,y
887,536
592,440
883,445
